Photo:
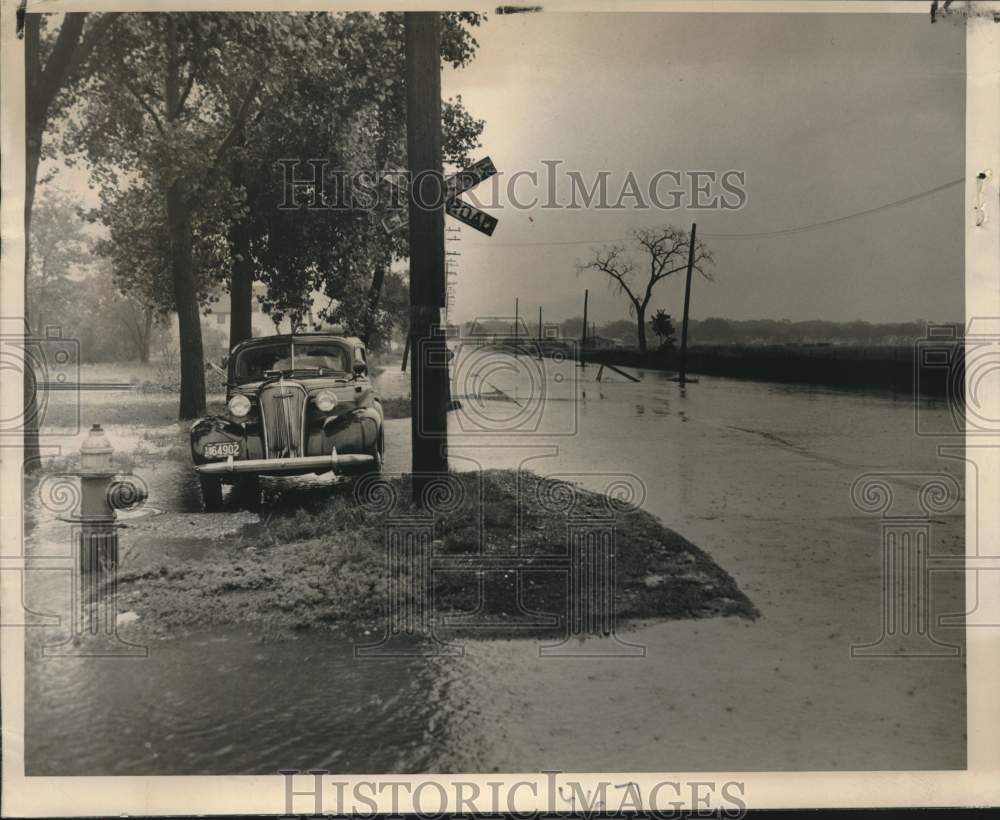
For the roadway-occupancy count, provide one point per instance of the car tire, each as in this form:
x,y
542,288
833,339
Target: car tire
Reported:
x,y
211,493
376,466
248,490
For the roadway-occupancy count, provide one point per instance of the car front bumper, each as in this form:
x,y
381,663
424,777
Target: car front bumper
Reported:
x,y
285,465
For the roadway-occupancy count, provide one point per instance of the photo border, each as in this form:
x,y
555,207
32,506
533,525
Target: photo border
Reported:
x,y
979,784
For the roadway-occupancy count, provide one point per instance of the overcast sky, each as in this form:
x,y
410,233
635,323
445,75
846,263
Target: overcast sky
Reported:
x,y
827,115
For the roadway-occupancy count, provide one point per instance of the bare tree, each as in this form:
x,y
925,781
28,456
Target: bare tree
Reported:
x,y
662,251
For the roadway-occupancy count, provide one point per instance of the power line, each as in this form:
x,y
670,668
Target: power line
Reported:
x,y
839,219
757,234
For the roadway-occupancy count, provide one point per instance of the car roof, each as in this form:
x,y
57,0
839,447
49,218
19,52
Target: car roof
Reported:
x,y
311,336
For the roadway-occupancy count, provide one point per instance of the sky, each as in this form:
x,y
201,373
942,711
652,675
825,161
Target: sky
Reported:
x,y
827,115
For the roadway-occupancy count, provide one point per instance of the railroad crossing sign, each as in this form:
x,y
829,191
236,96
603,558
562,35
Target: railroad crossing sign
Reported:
x,y
473,217
462,211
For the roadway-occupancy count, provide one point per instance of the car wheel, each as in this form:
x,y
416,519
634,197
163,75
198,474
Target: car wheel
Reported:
x,y
376,466
211,493
248,490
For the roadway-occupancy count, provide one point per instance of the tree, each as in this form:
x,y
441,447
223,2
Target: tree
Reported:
x,y
714,329
662,325
162,106
73,289
58,256
116,325
137,251
340,252
200,205
623,329
52,63
665,251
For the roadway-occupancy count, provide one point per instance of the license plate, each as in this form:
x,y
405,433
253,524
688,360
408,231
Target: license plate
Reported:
x,y
222,449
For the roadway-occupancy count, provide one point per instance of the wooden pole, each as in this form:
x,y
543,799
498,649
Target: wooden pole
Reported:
x,y
682,373
429,370
517,313
583,340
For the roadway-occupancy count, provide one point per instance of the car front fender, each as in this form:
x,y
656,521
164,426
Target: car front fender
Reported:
x,y
216,429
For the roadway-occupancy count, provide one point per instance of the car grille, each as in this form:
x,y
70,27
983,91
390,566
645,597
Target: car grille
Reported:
x,y
283,412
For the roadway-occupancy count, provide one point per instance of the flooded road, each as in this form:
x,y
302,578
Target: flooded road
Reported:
x,y
757,475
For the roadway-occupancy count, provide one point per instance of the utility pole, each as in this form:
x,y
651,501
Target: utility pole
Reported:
x,y
429,370
517,313
583,340
682,373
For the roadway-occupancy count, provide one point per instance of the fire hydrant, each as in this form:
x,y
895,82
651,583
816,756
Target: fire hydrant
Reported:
x,y
99,532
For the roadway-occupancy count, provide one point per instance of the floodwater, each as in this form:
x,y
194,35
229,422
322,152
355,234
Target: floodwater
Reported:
x,y
758,475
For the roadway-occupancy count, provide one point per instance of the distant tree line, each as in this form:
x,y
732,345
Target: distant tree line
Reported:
x,y
813,331
715,330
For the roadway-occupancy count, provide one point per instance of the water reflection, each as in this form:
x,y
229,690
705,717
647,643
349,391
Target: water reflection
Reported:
x,y
225,703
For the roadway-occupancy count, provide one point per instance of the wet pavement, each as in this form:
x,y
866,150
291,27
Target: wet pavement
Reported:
x,y
758,475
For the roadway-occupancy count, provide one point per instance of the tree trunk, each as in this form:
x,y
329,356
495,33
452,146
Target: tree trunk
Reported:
x,y
240,285
147,331
374,294
34,127
241,277
192,402
42,84
33,151
640,317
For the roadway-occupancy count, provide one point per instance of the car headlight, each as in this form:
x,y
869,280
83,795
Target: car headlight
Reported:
x,y
239,405
325,400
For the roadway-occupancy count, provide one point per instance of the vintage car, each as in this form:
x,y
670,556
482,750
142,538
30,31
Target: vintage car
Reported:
x,y
295,404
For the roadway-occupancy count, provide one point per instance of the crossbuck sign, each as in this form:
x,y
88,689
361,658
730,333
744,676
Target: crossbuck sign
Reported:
x,y
453,206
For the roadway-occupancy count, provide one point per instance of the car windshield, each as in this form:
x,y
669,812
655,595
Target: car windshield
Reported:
x,y
255,363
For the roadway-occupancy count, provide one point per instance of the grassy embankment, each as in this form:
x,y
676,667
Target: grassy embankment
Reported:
x,y
325,565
